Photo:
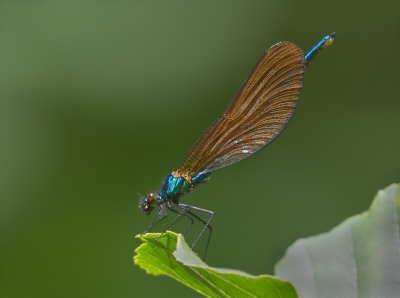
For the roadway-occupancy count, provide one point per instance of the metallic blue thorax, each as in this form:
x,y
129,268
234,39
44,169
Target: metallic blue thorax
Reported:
x,y
174,187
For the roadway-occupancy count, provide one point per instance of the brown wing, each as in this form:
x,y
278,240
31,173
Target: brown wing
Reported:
x,y
256,115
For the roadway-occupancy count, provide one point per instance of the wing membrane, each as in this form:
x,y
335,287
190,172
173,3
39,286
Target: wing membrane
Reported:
x,y
255,116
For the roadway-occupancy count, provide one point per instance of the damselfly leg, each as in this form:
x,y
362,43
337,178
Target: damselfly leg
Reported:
x,y
187,210
162,214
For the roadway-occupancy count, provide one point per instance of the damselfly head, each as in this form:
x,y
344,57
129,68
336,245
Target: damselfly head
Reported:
x,y
148,202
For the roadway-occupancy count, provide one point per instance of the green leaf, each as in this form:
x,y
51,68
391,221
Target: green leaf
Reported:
x,y
358,258
171,255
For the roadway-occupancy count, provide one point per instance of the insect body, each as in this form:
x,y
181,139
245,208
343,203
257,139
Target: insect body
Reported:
x,y
256,115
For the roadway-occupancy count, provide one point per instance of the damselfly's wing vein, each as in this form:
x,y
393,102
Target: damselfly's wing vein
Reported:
x,y
256,115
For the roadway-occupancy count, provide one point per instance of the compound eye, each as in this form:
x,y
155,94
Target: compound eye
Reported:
x,y
151,199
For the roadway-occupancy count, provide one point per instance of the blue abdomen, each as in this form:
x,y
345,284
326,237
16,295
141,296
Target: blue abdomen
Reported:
x,y
200,178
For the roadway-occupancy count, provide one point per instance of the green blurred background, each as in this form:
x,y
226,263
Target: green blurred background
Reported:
x,y
100,100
